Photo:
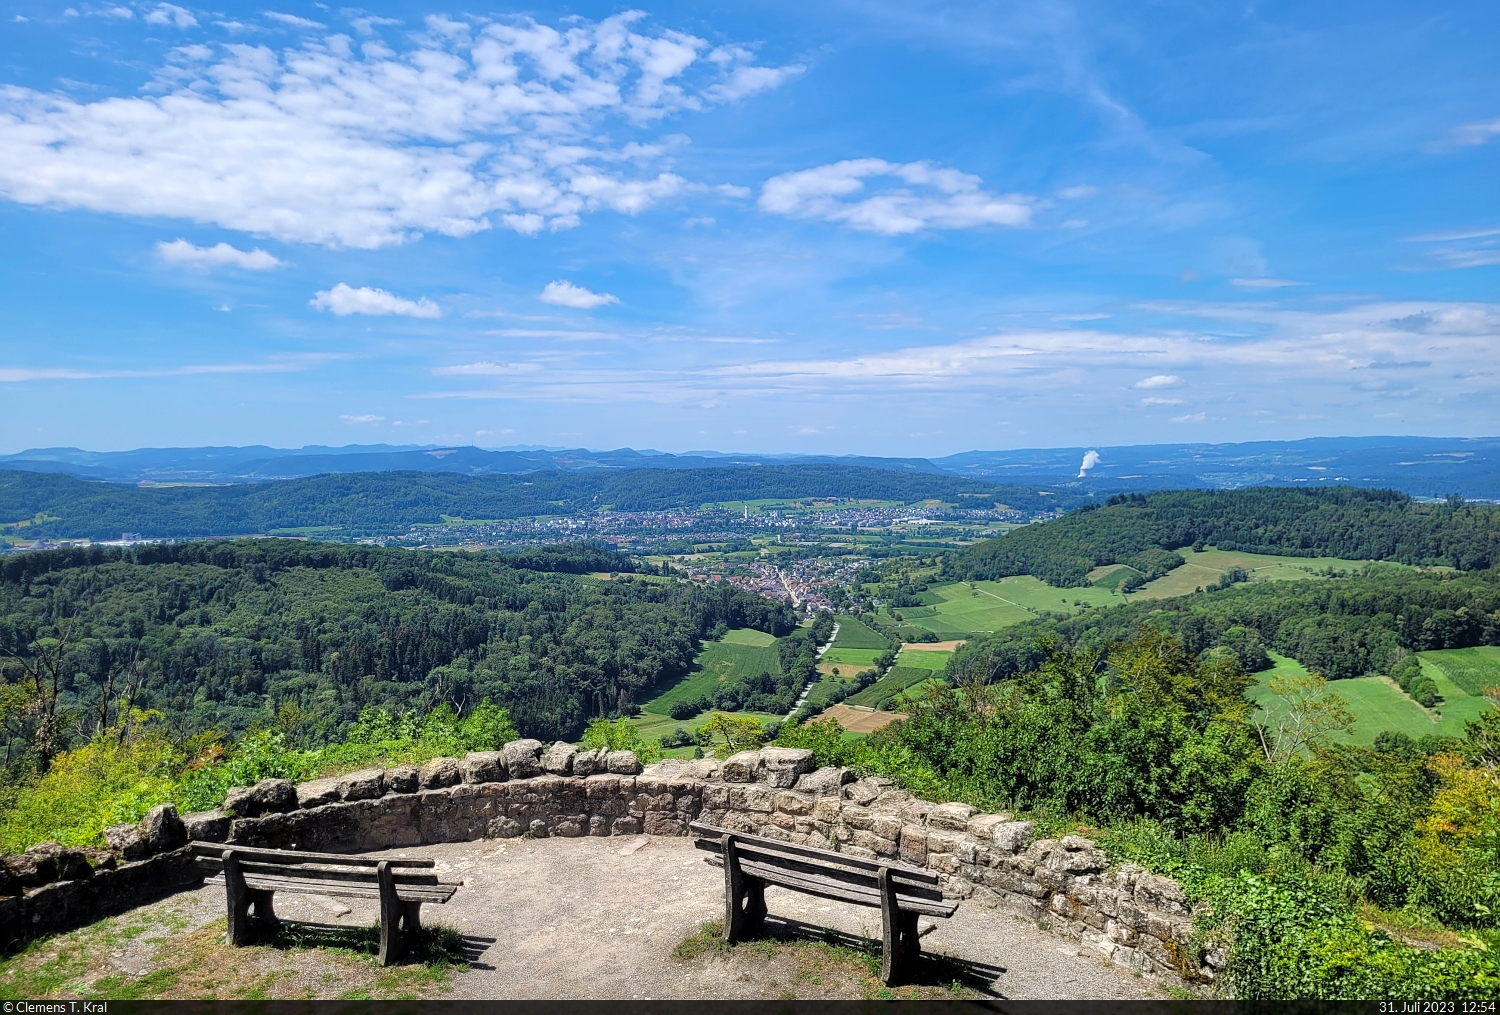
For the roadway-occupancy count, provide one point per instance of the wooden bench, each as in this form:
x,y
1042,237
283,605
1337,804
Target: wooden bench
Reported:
x,y
751,862
252,876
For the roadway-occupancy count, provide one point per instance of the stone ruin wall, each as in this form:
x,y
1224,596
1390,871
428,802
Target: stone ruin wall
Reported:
x,y
1124,914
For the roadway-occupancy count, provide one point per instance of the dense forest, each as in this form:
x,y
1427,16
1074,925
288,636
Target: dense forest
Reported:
x,y
1348,627
375,503
222,635
1142,530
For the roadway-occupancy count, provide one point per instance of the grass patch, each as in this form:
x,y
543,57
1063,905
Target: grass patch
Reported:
x,y
937,661
302,961
960,609
896,680
1205,567
719,661
748,636
854,633
1378,704
1469,669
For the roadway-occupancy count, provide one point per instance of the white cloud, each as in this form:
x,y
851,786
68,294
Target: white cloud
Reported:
x,y
1457,234
124,13
344,300
520,125
733,190
924,196
1476,133
183,252
485,369
1263,283
170,14
744,81
1196,417
293,20
1159,381
1077,193
1090,459
563,293
352,420
280,365
1161,401
1075,223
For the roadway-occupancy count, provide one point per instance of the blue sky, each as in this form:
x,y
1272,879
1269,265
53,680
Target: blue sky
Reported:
x,y
880,228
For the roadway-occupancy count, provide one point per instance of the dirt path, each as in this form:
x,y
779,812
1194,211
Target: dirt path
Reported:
x,y
600,917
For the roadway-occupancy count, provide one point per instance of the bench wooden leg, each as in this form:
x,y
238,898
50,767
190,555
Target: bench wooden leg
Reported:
x,y
900,945
744,897
264,916
237,898
411,918
392,941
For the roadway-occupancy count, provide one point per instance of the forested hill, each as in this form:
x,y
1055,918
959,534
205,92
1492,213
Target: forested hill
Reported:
x,y
220,635
1142,530
373,503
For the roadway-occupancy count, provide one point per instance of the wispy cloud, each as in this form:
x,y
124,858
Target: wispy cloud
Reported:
x,y
293,20
1159,381
183,252
353,420
281,365
170,14
474,125
485,368
344,300
1476,133
917,196
1263,283
565,294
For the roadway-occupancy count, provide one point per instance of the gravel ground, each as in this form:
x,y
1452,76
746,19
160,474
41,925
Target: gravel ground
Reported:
x,y
599,917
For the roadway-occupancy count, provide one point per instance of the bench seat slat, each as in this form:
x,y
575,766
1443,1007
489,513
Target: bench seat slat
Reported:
x,y
342,889
839,891
901,870
295,856
867,881
321,871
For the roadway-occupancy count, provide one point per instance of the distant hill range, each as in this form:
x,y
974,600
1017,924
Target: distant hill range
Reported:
x,y
1422,466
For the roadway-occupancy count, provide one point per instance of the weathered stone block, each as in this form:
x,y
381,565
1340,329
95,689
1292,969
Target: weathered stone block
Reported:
x,y
827,809
947,863
792,803
1013,836
859,817
523,758
404,779
661,823
887,826
982,826
914,845
625,826
162,829
784,821
741,767
825,781
912,811
569,829
864,792
954,817
366,785
438,773
538,828
944,842
622,762
206,826
482,767
317,792
559,758
269,796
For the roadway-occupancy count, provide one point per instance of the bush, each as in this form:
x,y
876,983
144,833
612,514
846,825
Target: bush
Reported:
x,y
620,735
825,738
689,709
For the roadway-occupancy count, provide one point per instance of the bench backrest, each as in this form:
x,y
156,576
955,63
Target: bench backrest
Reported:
x,y
788,853
325,867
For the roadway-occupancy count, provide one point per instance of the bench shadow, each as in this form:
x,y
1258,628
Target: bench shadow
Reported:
x,y
433,944
930,970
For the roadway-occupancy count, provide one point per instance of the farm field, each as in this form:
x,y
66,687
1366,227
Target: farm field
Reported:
x,y
858,720
855,659
1206,567
957,610
748,636
1471,669
855,634
719,660
896,680
1378,704
937,661
651,727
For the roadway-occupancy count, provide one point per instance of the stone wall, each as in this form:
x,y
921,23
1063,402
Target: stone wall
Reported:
x,y
1124,914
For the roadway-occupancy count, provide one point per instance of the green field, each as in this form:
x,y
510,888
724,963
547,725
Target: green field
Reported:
x,y
1470,669
855,658
1205,568
896,679
937,661
854,634
748,636
1378,704
959,610
719,660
